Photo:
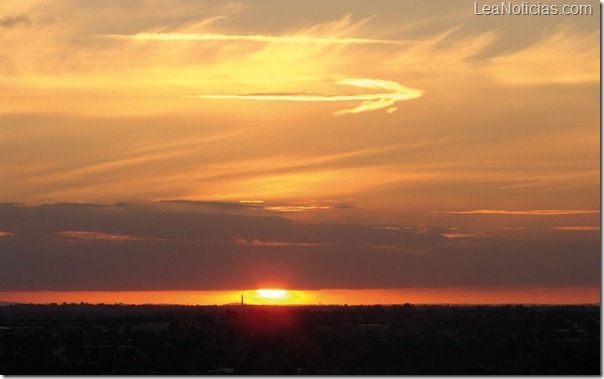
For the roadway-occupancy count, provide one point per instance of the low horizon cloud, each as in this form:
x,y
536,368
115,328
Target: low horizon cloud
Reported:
x,y
149,246
537,212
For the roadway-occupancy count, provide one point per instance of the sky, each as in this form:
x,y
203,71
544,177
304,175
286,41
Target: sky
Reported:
x,y
403,146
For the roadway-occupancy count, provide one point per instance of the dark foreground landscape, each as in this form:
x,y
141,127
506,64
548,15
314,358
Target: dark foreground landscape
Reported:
x,y
407,339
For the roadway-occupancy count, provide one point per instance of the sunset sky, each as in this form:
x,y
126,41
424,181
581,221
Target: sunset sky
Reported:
x,y
349,151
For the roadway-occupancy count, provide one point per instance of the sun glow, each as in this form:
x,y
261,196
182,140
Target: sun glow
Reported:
x,y
519,295
272,293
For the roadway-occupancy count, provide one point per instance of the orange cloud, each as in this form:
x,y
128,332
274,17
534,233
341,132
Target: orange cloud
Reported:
x,y
398,249
254,242
76,235
296,208
578,228
541,212
562,56
458,235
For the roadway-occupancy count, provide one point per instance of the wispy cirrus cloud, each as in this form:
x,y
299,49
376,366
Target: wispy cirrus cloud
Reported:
x,y
296,208
459,235
255,242
371,101
252,38
13,21
261,205
539,212
398,249
578,228
78,235
561,56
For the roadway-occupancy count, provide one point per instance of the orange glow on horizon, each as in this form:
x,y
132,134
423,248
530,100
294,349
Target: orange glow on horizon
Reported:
x,y
525,295
276,296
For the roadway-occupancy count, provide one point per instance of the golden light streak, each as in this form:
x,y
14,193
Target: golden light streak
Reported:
x,y
301,97
251,38
297,208
387,227
458,235
541,212
578,228
244,242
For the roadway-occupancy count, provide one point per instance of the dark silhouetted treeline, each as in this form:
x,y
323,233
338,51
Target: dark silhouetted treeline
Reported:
x,y
407,339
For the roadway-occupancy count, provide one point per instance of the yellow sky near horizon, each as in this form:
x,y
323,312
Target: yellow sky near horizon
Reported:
x,y
565,295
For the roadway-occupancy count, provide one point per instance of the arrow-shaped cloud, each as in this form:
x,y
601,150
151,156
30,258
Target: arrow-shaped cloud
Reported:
x,y
396,92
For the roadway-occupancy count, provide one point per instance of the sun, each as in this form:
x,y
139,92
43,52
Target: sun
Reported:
x,y
271,293
272,296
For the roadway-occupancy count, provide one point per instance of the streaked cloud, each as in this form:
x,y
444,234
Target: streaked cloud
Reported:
x,y
458,235
578,228
213,250
561,56
252,38
261,205
305,206
371,102
540,212
13,21
215,204
4,234
296,208
255,242
78,235
387,227
398,249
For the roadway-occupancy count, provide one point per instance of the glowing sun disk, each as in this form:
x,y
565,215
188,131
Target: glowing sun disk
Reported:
x,y
271,293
